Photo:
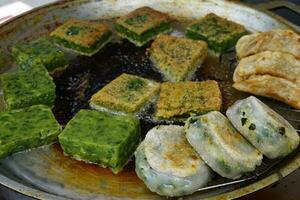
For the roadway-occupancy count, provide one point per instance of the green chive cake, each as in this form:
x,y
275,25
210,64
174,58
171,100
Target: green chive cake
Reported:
x,y
26,88
142,25
27,128
184,99
101,138
83,37
42,50
220,33
125,94
177,58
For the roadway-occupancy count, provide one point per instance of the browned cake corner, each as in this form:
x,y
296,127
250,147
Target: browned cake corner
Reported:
x,y
177,58
183,99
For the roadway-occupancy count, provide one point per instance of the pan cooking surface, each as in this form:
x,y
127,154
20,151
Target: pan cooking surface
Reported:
x,y
75,86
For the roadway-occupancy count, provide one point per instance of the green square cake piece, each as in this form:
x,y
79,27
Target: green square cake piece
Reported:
x,y
220,33
142,25
40,50
101,138
82,36
125,94
177,58
26,88
184,99
27,128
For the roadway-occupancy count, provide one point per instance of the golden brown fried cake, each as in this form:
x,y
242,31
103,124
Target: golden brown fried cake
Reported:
x,y
270,74
84,37
177,58
142,25
167,163
221,146
183,99
275,40
126,94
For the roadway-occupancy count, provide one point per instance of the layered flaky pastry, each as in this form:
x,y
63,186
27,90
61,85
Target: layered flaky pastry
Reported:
x,y
270,74
275,40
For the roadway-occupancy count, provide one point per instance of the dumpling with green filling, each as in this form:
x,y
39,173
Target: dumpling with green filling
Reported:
x,y
167,163
269,132
221,146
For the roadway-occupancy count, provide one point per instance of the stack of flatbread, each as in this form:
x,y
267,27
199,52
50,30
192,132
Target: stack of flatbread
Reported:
x,y
270,65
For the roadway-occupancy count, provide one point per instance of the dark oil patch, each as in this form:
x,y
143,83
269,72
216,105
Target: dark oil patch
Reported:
x,y
86,75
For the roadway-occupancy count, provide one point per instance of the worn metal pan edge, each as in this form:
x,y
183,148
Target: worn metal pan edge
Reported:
x,y
11,25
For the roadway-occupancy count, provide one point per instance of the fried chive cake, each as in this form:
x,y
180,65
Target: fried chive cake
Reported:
x,y
142,25
168,164
269,132
219,33
125,94
26,88
82,36
27,128
183,99
41,50
101,138
221,146
177,58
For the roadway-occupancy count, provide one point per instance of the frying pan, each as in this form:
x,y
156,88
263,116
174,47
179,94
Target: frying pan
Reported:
x,y
45,173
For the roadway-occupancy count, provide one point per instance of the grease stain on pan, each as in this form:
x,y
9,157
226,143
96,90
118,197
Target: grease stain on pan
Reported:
x,y
96,179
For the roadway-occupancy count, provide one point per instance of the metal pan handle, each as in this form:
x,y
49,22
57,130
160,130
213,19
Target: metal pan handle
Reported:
x,y
285,11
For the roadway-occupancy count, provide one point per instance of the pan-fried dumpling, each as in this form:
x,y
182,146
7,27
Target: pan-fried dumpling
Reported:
x,y
221,146
270,74
274,40
167,163
269,132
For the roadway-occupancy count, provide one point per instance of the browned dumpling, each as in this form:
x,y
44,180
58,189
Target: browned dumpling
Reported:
x,y
275,40
270,74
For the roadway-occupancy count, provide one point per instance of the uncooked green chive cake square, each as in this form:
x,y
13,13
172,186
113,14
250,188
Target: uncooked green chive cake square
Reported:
x,y
82,36
26,88
142,25
184,99
42,50
27,128
126,94
177,58
101,138
220,33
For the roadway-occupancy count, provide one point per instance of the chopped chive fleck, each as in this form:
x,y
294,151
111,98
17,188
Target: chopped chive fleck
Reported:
x,y
281,130
135,84
243,120
138,20
74,30
252,127
192,120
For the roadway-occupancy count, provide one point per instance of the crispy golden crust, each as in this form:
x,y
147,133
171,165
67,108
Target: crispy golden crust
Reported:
x,y
176,57
127,93
185,98
86,34
142,19
168,151
275,64
270,86
274,40
270,74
